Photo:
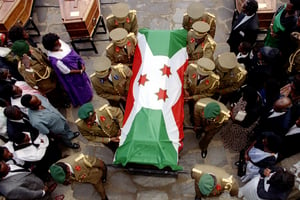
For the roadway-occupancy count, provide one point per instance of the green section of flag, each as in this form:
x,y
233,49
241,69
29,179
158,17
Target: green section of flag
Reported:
x,y
147,142
165,42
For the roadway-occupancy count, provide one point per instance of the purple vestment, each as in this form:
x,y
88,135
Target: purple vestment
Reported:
x,y
77,86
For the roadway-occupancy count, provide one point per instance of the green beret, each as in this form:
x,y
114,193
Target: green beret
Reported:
x,y
57,173
85,111
211,110
206,184
20,47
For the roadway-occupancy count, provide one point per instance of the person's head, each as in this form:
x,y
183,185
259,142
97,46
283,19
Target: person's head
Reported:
x,y
290,8
282,104
282,180
60,173
249,7
20,47
4,169
119,36
195,10
6,91
4,74
225,62
120,11
250,95
13,112
272,142
20,138
205,66
269,54
5,154
212,111
207,183
296,4
31,101
86,112
102,66
17,32
245,47
200,29
51,42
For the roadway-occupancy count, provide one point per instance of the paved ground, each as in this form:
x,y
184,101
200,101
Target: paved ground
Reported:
x,y
153,14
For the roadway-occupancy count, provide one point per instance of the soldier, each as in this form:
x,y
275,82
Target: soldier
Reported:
x,y
209,117
111,82
195,12
199,43
232,74
122,47
122,17
294,59
103,125
199,81
212,181
83,169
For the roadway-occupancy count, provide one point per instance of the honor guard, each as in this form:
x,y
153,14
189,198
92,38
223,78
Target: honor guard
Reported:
x,y
111,82
232,74
122,47
209,116
101,125
195,12
199,42
212,181
122,17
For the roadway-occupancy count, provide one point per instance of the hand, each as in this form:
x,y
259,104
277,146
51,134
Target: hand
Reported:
x,y
115,139
123,98
26,61
46,188
267,172
82,67
188,98
186,93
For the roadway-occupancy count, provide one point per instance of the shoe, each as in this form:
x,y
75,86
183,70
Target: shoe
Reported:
x,y
204,154
197,198
104,174
76,134
74,146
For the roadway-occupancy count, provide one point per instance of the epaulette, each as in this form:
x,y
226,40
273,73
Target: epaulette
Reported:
x,y
132,12
77,120
109,46
193,65
131,34
92,75
242,69
211,15
109,17
102,107
215,76
79,157
185,14
105,106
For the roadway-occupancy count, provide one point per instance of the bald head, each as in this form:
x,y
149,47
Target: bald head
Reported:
x,y
282,104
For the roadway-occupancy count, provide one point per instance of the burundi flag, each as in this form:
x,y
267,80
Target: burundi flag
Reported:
x,y
152,130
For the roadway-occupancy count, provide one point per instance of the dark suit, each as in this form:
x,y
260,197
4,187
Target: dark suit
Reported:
x,y
245,32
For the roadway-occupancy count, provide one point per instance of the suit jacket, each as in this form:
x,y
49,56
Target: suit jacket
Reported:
x,y
224,180
22,186
245,32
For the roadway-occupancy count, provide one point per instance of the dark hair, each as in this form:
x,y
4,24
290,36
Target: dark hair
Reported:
x,y
18,137
2,173
296,4
6,91
25,100
247,46
282,180
2,152
49,41
16,32
273,141
9,111
251,6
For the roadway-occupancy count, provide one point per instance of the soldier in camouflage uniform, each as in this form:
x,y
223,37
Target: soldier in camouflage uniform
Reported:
x,y
122,17
210,115
195,12
199,81
111,82
199,42
122,47
101,125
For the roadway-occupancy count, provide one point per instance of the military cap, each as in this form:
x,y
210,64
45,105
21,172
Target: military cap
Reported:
x,y
120,10
119,36
102,65
200,28
20,47
212,110
86,110
226,61
206,184
57,173
195,10
205,66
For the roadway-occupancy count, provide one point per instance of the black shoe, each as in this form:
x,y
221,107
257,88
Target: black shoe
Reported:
x,y
76,134
74,146
197,198
204,154
104,174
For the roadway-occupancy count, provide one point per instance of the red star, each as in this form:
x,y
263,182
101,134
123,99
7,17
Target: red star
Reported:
x,y
166,70
143,79
162,94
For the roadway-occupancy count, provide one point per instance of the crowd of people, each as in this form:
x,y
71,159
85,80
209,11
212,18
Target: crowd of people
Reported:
x,y
250,95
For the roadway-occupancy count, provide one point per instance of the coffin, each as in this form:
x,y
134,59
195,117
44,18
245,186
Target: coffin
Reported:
x,y
13,11
80,16
265,12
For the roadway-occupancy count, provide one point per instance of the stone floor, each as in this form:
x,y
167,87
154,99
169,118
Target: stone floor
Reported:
x,y
153,14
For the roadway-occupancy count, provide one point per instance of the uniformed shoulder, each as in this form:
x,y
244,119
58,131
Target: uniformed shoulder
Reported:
x,y
210,15
118,66
109,46
185,15
242,69
109,17
77,121
103,107
131,35
191,33
215,76
192,66
92,75
132,12
204,101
